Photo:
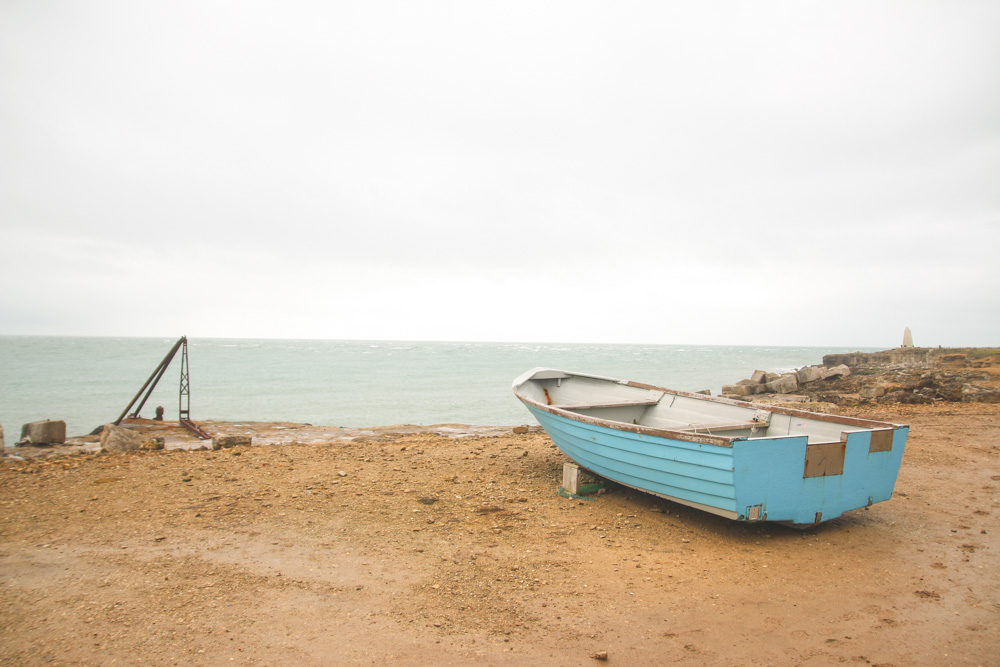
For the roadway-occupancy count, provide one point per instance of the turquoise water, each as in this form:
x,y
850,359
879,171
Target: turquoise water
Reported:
x,y
90,381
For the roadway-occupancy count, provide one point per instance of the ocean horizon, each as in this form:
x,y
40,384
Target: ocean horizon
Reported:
x,y
88,381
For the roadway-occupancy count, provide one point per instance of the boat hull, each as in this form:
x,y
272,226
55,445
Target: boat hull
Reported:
x,y
783,478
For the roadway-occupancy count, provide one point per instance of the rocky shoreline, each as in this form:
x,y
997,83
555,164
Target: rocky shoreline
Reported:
x,y
902,375
913,376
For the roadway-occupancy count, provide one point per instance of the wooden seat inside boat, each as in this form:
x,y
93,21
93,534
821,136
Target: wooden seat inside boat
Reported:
x,y
610,404
718,428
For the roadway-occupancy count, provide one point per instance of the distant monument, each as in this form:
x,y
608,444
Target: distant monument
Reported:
x,y
907,338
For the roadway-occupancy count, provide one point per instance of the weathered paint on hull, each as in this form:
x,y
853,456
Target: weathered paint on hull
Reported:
x,y
754,479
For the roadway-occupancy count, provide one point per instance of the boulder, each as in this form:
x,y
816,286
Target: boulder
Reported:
x,y
758,377
118,439
152,445
975,394
837,371
48,432
809,374
227,441
740,389
784,384
872,391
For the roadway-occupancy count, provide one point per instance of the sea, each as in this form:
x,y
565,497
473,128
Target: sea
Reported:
x,y
88,382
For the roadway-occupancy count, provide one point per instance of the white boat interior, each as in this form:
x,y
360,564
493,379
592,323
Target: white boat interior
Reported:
x,y
654,408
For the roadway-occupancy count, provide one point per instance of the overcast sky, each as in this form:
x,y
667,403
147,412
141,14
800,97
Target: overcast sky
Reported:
x,y
787,173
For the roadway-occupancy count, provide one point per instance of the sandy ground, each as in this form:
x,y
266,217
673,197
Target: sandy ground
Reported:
x,y
416,548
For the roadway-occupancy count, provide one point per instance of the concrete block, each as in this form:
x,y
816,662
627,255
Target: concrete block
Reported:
x,y
837,371
740,389
809,374
784,384
48,432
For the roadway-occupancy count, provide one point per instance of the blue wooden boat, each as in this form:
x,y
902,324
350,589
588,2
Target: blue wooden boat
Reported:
x,y
744,461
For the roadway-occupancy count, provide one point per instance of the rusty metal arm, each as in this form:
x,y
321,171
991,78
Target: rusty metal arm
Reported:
x,y
154,379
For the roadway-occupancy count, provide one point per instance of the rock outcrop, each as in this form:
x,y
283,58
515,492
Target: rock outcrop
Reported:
x,y
227,441
900,375
762,382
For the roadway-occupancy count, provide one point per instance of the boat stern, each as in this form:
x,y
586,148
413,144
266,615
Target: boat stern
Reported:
x,y
791,480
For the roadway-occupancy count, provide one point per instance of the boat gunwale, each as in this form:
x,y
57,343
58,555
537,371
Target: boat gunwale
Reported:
x,y
671,434
781,410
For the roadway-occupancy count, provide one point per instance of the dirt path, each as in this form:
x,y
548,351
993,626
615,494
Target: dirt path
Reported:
x,y
419,549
